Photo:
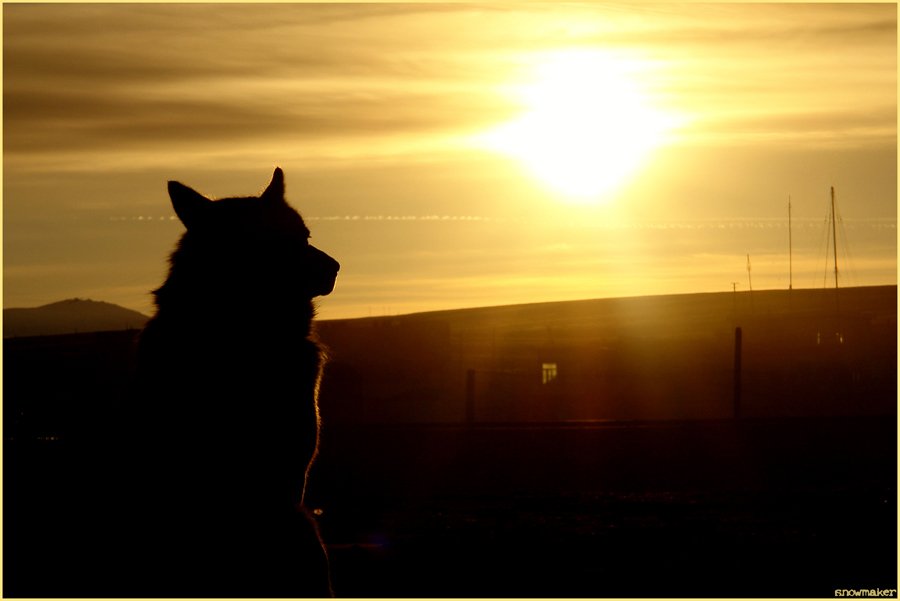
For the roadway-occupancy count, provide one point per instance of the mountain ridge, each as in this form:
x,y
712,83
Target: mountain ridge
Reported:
x,y
69,316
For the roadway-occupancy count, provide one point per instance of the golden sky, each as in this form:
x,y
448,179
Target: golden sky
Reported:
x,y
452,155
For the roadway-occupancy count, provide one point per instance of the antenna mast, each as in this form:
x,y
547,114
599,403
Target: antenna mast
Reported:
x,y
749,279
834,239
790,250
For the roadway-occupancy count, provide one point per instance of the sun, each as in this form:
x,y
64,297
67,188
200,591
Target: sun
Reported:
x,y
586,124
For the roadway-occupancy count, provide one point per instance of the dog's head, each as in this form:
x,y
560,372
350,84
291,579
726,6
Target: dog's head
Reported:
x,y
259,245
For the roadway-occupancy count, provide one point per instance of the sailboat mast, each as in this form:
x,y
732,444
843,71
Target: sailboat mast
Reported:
x,y
834,239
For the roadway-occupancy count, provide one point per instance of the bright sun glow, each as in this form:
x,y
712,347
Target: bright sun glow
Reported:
x,y
586,126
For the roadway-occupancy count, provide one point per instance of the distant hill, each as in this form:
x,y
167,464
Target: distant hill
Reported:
x,y
804,353
68,317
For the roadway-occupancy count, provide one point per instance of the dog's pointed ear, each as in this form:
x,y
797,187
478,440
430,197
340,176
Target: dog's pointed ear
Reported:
x,y
189,205
275,190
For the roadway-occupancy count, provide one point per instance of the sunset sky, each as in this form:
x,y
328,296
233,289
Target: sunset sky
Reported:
x,y
456,155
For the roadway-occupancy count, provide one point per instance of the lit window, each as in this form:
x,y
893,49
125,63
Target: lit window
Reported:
x,y
549,372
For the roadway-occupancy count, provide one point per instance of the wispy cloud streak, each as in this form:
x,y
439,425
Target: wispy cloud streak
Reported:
x,y
104,79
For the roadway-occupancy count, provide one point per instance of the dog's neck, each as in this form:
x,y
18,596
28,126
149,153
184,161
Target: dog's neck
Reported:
x,y
239,313
205,310
200,297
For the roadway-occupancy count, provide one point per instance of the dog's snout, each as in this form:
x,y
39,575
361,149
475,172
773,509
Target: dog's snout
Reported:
x,y
326,261
325,270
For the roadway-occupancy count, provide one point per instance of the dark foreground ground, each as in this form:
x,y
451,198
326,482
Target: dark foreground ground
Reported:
x,y
761,508
784,508
668,498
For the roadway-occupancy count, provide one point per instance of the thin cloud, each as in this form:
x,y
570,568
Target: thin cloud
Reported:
x,y
139,78
76,81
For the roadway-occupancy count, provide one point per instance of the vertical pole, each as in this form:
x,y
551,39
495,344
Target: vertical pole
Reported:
x,y
734,301
837,299
737,372
750,282
470,396
790,249
834,238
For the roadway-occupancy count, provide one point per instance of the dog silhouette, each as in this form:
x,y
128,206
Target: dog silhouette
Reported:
x,y
225,424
